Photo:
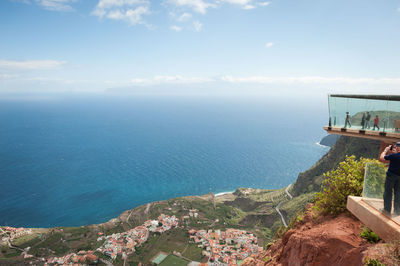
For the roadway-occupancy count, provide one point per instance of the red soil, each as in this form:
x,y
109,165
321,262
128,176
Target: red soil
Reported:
x,y
318,241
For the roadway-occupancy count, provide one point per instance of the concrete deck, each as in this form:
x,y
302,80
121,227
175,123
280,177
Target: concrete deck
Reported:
x,y
367,134
367,211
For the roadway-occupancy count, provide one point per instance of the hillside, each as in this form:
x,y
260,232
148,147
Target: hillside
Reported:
x,y
310,180
325,240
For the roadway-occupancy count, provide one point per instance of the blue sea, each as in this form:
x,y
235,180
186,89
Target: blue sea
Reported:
x,y
73,161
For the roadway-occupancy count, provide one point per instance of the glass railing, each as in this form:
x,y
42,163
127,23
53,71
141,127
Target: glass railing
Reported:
x,y
365,112
374,186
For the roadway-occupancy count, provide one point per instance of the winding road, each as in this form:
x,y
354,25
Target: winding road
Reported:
x,y
280,203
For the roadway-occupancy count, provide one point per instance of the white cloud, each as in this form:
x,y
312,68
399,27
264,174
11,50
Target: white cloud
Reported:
x,y
310,80
248,7
8,76
197,25
164,79
264,3
185,17
175,28
56,5
245,4
52,5
107,4
30,64
237,2
199,6
130,11
132,16
269,44
398,9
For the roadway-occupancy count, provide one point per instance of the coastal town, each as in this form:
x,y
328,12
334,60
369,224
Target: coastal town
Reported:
x,y
218,247
228,247
8,233
124,243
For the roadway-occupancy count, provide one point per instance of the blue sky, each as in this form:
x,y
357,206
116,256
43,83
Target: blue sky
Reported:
x,y
303,47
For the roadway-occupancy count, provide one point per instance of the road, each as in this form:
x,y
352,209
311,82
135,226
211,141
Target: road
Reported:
x,y
279,212
287,191
280,203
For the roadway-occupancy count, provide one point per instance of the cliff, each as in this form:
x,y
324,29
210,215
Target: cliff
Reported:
x,y
310,180
325,240
329,140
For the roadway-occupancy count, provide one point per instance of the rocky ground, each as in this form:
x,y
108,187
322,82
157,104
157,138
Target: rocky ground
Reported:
x,y
325,240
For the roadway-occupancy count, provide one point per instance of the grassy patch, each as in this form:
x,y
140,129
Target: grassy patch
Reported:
x,y
193,252
23,239
172,240
52,242
173,260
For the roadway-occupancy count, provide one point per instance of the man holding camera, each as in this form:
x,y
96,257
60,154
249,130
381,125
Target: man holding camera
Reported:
x,y
391,155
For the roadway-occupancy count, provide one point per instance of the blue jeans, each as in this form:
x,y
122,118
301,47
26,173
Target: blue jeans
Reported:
x,y
392,183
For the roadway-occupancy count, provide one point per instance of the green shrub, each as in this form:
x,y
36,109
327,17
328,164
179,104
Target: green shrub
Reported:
x,y
373,262
369,235
267,259
347,179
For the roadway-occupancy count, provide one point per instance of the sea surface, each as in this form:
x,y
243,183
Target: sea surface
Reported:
x,y
76,161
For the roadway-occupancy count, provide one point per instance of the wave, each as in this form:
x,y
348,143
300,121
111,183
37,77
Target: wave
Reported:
x,y
323,146
223,193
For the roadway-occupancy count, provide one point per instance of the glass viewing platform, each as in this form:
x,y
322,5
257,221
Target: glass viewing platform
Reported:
x,y
368,207
374,186
368,116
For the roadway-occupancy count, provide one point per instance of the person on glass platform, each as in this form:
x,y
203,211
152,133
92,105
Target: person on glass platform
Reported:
x,y
376,122
347,122
391,154
367,118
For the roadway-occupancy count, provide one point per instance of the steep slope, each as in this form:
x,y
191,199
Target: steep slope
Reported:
x,y
317,241
329,140
310,180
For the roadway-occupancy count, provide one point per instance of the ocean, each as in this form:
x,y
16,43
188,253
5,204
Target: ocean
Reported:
x,y
73,161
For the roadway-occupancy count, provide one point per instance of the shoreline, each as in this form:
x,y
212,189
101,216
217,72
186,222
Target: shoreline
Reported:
x,y
323,146
223,193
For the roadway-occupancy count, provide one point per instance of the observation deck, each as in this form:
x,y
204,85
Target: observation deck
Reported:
x,y
368,208
365,116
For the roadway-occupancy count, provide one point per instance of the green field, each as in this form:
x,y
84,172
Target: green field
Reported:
x,y
173,260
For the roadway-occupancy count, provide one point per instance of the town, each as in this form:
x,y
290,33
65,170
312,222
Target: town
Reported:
x,y
124,243
229,247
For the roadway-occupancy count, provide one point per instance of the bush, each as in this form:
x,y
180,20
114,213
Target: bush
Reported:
x,y
369,235
339,183
373,262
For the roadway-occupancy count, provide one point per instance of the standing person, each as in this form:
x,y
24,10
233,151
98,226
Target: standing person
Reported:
x,y
392,182
347,120
367,125
363,121
376,122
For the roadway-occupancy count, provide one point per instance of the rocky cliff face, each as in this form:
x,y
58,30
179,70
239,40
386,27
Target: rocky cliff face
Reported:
x,y
317,241
329,140
310,180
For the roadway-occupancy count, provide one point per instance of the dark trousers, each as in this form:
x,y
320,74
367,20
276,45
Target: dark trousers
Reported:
x,y
392,183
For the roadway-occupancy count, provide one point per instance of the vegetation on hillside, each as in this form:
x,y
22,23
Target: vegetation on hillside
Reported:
x,y
311,180
347,179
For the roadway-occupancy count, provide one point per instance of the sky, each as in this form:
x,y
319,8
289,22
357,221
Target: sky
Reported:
x,y
258,47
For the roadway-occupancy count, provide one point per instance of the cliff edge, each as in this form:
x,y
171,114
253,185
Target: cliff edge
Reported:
x,y
323,240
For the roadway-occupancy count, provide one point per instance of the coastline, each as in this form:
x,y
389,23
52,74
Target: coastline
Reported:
x,y
224,193
321,145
